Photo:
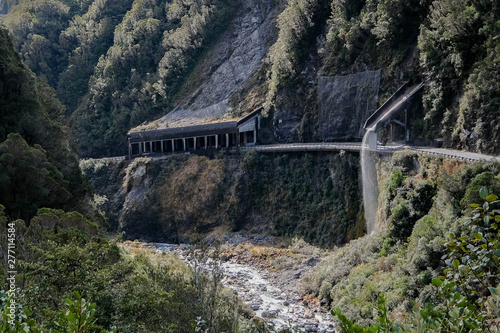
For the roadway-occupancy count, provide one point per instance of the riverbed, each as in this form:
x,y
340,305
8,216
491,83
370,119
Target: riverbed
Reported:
x,y
271,297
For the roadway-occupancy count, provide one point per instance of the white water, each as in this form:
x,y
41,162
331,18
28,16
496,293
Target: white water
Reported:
x,y
268,300
272,303
369,184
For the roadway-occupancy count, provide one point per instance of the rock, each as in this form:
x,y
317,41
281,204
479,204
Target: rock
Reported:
x,y
255,307
270,313
286,303
236,57
311,323
312,261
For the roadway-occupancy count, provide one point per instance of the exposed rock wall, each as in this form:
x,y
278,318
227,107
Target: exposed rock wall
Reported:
x,y
314,196
229,64
344,104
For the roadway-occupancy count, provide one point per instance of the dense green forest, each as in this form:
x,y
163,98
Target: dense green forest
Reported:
x,y
114,64
432,264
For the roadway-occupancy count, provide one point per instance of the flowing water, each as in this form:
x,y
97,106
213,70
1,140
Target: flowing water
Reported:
x,y
269,301
369,183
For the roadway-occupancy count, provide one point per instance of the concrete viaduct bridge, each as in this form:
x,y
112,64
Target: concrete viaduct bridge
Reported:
x,y
357,147
339,147
239,135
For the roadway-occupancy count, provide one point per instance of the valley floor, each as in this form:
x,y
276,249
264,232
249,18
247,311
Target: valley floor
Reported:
x,y
266,275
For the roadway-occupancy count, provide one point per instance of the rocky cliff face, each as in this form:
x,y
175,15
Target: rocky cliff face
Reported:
x,y
314,196
237,55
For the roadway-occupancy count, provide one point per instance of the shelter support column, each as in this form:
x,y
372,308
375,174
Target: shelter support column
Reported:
x,y
129,149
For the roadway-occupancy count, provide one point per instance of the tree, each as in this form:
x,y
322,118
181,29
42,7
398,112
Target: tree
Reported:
x,y
28,181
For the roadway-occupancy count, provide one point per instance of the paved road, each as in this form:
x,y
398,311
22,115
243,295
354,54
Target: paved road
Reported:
x,y
349,147
460,154
356,147
303,147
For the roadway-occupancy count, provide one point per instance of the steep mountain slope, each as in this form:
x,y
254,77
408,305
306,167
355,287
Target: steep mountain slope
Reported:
x,y
38,168
51,244
118,64
313,196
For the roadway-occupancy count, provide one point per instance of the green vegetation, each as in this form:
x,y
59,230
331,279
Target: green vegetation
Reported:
x,y
154,47
448,44
467,298
61,253
297,23
37,166
134,290
326,186
77,318
422,200
457,52
113,63
378,33
116,64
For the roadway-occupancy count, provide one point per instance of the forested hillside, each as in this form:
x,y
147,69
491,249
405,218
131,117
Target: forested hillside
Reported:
x,y
115,64
52,234
38,167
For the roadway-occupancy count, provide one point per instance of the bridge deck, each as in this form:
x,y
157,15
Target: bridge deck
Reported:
x,y
348,147
304,147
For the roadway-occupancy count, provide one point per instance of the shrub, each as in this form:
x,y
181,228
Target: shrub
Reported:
x,y
472,277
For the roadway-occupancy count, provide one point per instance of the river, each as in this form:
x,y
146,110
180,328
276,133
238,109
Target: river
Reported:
x,y
266,294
